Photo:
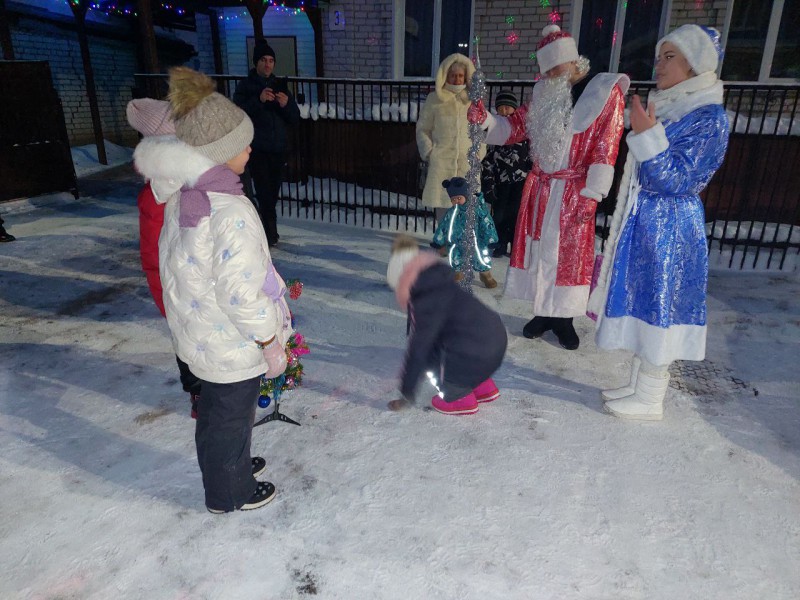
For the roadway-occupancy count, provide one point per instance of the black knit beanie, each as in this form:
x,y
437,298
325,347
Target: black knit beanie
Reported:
x,y
261,49
506,98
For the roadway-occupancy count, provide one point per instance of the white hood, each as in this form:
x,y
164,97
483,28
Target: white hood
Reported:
x,y
169,164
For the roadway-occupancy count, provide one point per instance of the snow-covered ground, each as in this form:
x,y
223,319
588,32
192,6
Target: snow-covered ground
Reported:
x,y
538,496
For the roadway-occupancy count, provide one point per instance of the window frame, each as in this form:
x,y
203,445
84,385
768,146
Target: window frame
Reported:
x,y
619,27
399,32
767,55
769,45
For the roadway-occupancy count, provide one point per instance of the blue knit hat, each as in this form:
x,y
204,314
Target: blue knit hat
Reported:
x,y
457,186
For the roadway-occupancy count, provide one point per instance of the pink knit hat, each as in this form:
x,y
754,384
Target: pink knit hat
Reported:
x,y
150,117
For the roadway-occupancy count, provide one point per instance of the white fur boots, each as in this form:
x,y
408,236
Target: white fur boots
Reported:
x,y
649,385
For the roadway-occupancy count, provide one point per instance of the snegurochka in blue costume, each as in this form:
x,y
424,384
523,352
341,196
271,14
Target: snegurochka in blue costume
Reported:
x,y
651,293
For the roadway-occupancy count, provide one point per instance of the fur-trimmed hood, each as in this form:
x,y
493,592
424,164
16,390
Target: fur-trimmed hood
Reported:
x,y
441,78
169,164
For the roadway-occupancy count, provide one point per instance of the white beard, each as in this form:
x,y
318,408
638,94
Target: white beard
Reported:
x,y
549,122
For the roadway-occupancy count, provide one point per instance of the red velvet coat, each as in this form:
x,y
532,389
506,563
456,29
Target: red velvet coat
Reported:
x,y
151,220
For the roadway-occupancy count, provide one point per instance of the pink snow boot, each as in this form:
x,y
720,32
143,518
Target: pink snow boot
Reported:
x,y
486,391
463,406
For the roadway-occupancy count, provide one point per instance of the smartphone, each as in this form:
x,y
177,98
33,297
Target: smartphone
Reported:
x,y
281,84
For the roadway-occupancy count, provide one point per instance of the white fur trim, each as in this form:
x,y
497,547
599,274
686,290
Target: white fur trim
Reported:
x,y
594,98
498,131
678,101
169,164
557,52
648,144
695,45
441,78
587,193
625,199
598,180
397,263
656,345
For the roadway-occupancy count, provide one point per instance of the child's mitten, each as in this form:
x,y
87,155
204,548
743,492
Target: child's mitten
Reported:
x,y
275,354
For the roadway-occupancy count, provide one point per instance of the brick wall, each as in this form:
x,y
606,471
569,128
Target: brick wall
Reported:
x,y
700,12
364,48
501,59
113,63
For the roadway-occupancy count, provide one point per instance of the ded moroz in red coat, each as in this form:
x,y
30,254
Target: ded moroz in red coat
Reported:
x,y
553,251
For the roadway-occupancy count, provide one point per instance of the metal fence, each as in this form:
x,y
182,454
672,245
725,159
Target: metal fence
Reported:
x,y
353,159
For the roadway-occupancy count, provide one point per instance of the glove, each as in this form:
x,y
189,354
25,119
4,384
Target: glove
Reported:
x,y
476,113
275,355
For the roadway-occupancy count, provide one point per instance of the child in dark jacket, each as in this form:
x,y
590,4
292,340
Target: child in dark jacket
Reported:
x,y
504,171
452,336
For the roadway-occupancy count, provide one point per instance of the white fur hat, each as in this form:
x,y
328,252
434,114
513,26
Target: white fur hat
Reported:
x,y
556,48
397,263
699,45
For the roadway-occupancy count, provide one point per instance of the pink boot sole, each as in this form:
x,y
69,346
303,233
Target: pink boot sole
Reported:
x,y
486,391
467,405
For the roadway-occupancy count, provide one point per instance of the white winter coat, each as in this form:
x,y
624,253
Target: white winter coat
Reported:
x,y
212,273
443,134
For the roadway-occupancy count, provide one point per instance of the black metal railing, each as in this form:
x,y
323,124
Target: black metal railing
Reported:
x,y
354,160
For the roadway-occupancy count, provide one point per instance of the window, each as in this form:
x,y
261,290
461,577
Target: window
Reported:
x,y
786,58
763,41
426,31
621,36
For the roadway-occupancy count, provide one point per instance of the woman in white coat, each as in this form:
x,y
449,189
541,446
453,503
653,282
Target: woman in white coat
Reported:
x,y
443,130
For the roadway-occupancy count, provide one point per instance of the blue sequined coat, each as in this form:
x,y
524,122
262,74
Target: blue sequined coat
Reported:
x,y
656,292
452,227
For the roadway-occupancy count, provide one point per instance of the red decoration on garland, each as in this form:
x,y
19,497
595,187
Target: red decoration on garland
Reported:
x,y
295,287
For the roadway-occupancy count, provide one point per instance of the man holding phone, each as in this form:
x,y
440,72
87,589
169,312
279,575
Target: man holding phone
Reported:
x,y
269,104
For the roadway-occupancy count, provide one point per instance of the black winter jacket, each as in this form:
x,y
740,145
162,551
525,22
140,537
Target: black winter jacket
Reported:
x,y
451,327
269,119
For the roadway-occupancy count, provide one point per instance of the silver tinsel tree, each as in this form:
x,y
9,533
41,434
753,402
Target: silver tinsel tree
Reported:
x,y
469,246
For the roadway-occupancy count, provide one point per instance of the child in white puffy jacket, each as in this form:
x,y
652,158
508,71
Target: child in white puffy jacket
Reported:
x,y
223,298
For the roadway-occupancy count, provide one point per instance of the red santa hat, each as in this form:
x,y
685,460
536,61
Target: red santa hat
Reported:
x,y
556,48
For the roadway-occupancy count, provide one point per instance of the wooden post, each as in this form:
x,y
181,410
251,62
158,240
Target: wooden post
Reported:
x,y
216,45
5,33
315,18
79,8
149,49
257,10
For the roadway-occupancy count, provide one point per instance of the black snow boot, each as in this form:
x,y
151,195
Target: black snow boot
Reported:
x,y
264,493
566,334
537,326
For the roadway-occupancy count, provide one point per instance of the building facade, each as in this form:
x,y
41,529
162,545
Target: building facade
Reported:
x,y
407,38
395,39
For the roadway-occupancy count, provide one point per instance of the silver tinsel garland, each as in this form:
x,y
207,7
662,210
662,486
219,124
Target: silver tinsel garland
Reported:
x,y
477,91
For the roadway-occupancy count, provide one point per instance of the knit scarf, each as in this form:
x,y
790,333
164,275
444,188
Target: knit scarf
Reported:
x,y
194,200
683,98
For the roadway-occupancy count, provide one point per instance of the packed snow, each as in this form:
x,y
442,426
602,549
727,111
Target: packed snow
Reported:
x,y
539,496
